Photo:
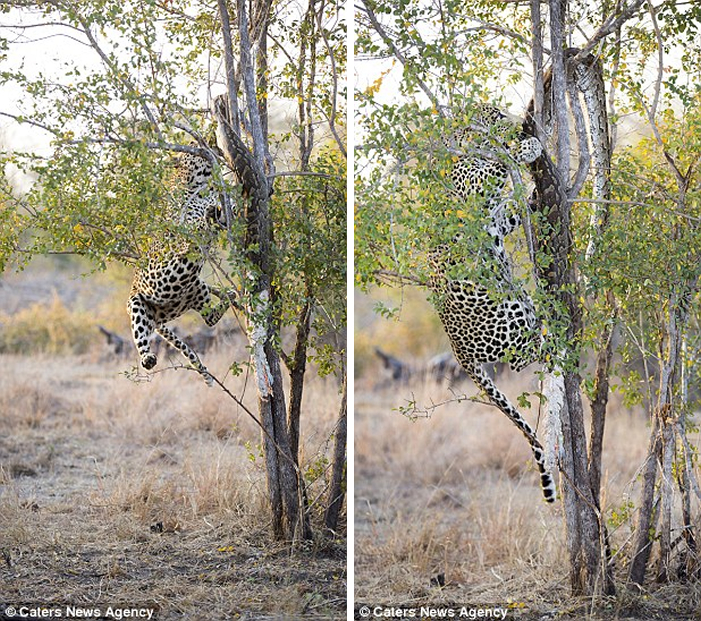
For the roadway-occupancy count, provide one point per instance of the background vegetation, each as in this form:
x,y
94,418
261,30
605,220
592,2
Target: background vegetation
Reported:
x,y
638,294
100,97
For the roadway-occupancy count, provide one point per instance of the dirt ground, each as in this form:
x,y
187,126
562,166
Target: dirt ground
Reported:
x,y
100,508
448,512
148,495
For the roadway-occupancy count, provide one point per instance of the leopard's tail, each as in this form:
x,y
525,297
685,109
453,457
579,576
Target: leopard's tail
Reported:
x,y
483,381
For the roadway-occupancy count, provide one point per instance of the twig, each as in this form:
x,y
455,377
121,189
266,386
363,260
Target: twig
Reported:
x,y
413,410
610,24
396,278
398,54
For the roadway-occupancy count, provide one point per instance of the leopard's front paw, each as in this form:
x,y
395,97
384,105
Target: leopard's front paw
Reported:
x,y
149,361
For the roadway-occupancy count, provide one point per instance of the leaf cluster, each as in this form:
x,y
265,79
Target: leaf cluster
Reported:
x,y
309,212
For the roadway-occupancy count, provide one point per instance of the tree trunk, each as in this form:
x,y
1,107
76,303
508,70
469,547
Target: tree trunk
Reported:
x,y
686,479
588,571
553,242
598,404
666,495
287,475
286,501
338,468
661,450
642,542
297,368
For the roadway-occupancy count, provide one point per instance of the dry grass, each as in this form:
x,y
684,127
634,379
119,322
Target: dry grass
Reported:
x,y
454,500
47,328
151,494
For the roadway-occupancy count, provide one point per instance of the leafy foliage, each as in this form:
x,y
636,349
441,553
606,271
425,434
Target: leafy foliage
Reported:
x,y
47,328
310,216
402,203
131,87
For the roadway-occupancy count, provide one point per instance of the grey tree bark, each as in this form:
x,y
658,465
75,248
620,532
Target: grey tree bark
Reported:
x,y
338,468
284,492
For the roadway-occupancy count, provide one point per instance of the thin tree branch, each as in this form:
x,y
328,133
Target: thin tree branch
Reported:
x,y
396,278
538,71
559,88
501,30
22,120
582,141
652,110
334,91
119,75
611,24
304,173
229,64
249,86
398,54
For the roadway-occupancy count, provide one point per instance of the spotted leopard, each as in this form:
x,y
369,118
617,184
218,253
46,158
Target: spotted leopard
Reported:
x,y
481,170
170,284
497,323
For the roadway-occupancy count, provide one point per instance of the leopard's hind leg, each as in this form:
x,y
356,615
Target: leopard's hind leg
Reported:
x,y
213,313
187,352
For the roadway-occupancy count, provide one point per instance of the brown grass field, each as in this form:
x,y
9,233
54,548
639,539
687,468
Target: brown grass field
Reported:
x,y
448,508
146,494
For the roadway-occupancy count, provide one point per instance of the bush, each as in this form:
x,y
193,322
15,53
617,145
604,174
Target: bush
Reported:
x,y
47,328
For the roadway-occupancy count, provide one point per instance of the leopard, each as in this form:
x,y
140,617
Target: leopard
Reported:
x,y
481,168
170,282
494,321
